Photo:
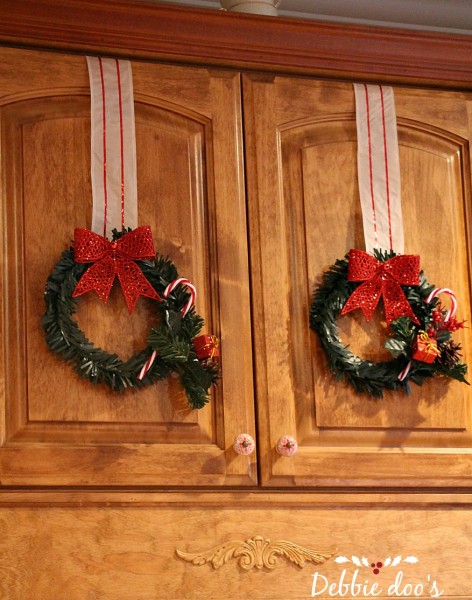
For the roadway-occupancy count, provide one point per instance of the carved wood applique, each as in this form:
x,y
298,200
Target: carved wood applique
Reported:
x,y
257,552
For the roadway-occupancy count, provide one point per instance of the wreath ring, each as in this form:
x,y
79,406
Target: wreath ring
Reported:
x,y
372,378
172,341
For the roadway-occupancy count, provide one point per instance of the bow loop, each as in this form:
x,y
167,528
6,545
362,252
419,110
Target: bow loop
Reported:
x,y
382,279
137,244
89,246
405,269
361,266
111,259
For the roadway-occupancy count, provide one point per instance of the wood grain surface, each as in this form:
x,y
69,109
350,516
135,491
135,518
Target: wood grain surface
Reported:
x,y
130,554
212,37
305,213
84,511
188,123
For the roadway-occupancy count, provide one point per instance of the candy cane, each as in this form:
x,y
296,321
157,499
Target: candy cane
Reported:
x,y
404,373
451,313
188,305
147,365
188,284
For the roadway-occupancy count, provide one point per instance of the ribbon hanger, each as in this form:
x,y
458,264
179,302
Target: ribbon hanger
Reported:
x,y
379,167
114,180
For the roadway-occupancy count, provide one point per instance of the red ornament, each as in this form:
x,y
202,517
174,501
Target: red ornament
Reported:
x,y
425,348
206,347
382,279
111,259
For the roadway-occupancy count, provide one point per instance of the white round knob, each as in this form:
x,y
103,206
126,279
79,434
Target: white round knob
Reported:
x,y
287,445
244,444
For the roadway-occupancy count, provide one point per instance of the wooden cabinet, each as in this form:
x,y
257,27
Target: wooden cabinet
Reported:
x,y
60,430
300,141
246,145
304,214
58,550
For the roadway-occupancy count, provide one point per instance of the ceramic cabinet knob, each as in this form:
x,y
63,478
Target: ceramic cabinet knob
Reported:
x,y
286,445
244,444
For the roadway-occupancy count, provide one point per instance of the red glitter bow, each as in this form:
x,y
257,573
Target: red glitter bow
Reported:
x,y
382,279
114,258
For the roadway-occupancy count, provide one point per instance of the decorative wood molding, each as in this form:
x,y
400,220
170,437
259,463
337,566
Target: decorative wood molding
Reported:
x,y
244,41
219,500
257,553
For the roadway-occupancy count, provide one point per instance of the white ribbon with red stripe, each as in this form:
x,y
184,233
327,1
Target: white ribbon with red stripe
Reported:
x,y
113,163
378,167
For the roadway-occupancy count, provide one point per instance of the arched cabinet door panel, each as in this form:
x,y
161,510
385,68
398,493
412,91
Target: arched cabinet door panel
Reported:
x,y
60,429
304,214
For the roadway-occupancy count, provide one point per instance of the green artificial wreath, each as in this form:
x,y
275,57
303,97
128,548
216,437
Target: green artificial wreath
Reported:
x,y
373,377
172,338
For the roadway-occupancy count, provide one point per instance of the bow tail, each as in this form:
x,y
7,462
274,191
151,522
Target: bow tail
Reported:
x,y
396,303
133,283
98,277
366,297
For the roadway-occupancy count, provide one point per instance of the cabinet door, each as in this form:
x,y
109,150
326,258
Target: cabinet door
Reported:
x,y
304,214
58,429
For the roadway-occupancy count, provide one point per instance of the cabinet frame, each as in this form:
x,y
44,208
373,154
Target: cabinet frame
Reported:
x,y
212,37
238,41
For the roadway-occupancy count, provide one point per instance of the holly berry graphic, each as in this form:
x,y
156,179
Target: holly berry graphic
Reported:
x,y
376,567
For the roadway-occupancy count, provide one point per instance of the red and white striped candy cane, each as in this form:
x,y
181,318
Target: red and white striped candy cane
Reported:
x,y
191,288
147,365
451,313
188,305
404,373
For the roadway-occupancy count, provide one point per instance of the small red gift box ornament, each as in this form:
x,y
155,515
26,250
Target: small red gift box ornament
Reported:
x,y
425,348
207,347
